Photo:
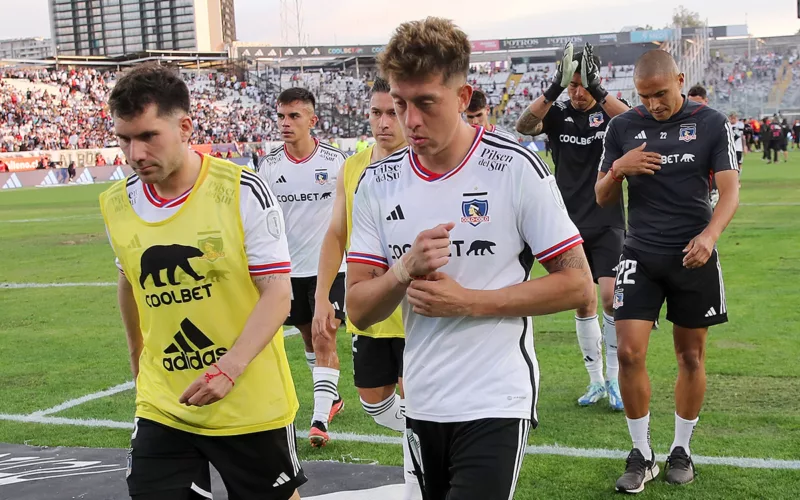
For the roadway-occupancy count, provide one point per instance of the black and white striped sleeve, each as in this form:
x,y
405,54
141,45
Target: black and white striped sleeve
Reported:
x,y
723,156
264,229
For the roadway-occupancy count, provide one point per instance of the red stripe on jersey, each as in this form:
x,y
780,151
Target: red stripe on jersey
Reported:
x,y
153,197
698,109
426,175
296,160
557,250
356,260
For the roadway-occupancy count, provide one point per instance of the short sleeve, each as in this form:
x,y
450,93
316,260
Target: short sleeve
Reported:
x,y
264,230
553,121
365,240
542,216
612,149
723,156
265,170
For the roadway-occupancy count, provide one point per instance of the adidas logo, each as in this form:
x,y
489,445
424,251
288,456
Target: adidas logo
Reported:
x,y
396,214
12,182
711,312
641,135
85,177
282,479
118,175
569,119
135,242
336,306
197,355
281,180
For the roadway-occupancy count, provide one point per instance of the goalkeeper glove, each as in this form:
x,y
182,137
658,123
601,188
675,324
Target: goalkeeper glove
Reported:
x,y
566,69
590,75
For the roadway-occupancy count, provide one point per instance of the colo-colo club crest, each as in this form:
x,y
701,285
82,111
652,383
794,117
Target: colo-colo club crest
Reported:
x,y
475,211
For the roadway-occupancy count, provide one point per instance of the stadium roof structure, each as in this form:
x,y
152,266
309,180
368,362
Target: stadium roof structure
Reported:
x,y
183,58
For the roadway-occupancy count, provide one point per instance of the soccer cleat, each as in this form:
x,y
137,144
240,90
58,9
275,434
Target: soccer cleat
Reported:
x,y
336,407
679,467
637,472
594,393
318,435
614,396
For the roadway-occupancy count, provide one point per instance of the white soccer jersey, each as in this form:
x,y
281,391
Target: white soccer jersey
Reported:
x,y
507,209
305,190
502,132
738,133
266,254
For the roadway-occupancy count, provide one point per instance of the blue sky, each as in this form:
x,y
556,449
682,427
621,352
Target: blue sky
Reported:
x,y
367,21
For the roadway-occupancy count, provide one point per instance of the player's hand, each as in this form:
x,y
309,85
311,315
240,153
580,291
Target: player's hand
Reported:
x,y
638,162
590,74
430,250
325,322
698,251
205,391
563,76
438,296
568,66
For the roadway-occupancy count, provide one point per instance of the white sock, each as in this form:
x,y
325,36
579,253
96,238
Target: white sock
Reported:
x,y
387,413
640,433
683,433
326,381
610,336
590,340
311,360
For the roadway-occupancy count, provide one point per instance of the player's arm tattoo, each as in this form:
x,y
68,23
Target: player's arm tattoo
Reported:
x,y
573,258
269,278
374,273
528,123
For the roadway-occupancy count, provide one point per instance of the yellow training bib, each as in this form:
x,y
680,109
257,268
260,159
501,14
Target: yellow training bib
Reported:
x,y
392,327
194,294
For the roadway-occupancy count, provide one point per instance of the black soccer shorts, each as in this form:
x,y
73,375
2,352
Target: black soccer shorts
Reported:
x,y
695,297
603,246
303,302
164,463
477,460
377,362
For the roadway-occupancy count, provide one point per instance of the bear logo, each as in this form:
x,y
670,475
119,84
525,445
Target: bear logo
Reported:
x,y
215,275
481,246
169,257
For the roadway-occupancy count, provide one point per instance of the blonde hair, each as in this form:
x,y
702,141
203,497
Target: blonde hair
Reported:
x,y
418,49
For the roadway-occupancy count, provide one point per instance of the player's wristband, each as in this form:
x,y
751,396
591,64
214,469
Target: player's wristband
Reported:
x,y
598,92
614,177
210,376
401,273
552,93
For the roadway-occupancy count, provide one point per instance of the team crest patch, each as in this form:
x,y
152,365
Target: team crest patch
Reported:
x,y
596,119
321,176
688,132
618,296
211,248
475,211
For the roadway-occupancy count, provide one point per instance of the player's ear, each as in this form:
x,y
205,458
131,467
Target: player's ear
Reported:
x,y
187,127
314,120
681,79
464,97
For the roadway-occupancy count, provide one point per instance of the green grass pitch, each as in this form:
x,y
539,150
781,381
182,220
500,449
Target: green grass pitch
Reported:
x,y
62,343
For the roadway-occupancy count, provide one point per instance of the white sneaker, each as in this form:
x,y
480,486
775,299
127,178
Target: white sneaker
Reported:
x,y
594,393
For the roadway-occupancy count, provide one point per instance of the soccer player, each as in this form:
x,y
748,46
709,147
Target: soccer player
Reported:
x,y
477,208
477,114
796,134
576,129
666,149
302,173
377,350
698,94
203,290
738,129
783,144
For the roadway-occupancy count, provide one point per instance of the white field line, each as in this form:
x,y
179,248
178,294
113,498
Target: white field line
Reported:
x,y
749,463
53,285
84,399
776,204
51,219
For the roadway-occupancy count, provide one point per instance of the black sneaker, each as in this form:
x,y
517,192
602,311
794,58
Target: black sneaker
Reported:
x,y
637,472
680,469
